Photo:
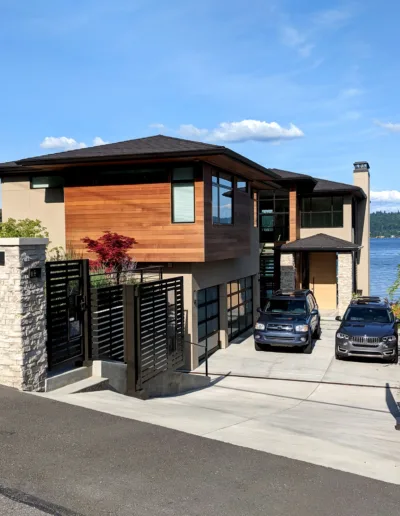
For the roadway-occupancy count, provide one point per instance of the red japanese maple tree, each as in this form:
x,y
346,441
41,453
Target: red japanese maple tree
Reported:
x,y
112,251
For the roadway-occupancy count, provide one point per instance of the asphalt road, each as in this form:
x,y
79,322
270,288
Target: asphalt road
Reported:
x,y
11,507
60,459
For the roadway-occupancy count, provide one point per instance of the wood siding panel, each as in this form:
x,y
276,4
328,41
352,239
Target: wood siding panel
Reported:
x,y
294,214
227,241
141,211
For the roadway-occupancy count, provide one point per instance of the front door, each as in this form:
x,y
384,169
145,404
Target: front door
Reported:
x,y
323,279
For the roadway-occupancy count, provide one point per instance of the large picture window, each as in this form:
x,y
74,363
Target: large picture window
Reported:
x,y
240,306
47,182
208,312
274,217
183,195
322,212
222,198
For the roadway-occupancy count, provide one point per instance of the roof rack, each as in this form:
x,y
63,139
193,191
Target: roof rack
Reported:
x,y
282,292
364,300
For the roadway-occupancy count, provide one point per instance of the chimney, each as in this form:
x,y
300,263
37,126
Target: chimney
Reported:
x,y
362,226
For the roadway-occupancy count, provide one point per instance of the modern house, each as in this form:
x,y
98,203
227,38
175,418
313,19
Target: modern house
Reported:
x,y
315,233
226,224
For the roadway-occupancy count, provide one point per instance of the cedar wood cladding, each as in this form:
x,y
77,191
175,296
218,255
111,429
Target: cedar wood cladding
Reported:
x,y
143,211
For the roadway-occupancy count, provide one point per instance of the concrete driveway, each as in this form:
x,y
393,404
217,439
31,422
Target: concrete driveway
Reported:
x,y
290,407
321,366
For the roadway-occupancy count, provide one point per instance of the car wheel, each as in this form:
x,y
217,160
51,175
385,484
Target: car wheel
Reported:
x,y
318,331
307,350
395,358
338,356
258,347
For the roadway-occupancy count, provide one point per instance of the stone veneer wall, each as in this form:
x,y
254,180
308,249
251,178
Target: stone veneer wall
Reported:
x,y
23,359
288,271
345,280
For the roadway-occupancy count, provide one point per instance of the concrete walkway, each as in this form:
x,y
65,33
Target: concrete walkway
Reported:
x,y
285,403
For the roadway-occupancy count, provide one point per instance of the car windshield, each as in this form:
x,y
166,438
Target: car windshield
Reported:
x,y
368,315
293,306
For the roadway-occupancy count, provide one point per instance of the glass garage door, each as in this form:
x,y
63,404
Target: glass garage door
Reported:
x,y
208,318
240,306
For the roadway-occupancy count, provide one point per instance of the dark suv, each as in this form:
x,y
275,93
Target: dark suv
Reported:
x,y
369,329
289,319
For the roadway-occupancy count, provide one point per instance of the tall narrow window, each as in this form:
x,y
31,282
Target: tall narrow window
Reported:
x,y
183,195
222,198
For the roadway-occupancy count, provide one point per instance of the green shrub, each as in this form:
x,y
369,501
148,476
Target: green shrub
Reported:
x,y
24,228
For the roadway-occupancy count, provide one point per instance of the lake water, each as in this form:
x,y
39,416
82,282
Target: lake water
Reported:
x,y
385,256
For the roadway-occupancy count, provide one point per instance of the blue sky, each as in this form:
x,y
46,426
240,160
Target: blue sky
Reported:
x,y
308,86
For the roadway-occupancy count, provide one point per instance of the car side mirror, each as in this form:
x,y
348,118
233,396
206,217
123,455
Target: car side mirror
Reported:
x,y
338,318
259,310
314,312
397,320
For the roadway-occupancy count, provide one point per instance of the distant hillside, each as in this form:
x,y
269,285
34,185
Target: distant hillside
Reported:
x,y
385,224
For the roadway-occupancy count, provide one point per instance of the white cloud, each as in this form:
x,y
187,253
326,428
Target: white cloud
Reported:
x,y
191,131
386,196
293,38
246,130
331,18
305,50
62,142
393,128
98,141
161,127
386,200
351,92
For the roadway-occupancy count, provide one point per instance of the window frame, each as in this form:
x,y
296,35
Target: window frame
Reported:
x,y
244,190
217,174
60,185
274,214
207,319
186,182
248,287
332,212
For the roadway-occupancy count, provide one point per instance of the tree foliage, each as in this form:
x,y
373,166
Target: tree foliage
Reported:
x,y
385,224
111,250
24,228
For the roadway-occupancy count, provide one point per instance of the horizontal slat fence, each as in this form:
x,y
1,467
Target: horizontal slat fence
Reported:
x,y
107,323
107,310
161,327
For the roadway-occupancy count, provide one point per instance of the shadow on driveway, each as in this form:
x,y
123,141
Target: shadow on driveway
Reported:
x,y
393,406
287,349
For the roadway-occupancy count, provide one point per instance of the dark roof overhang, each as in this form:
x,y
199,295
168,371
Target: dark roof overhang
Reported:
x,y
320,242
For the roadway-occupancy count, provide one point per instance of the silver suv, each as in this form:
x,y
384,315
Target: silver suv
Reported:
x,y
368,329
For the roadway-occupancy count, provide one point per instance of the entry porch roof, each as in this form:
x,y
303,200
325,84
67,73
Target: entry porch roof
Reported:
x,y
320,242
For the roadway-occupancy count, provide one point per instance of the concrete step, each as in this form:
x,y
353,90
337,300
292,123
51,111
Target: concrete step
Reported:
x,y
56,381
94,383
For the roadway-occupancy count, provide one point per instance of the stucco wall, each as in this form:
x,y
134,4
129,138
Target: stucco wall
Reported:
x,y
345,232
198,276
20,202
362,179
